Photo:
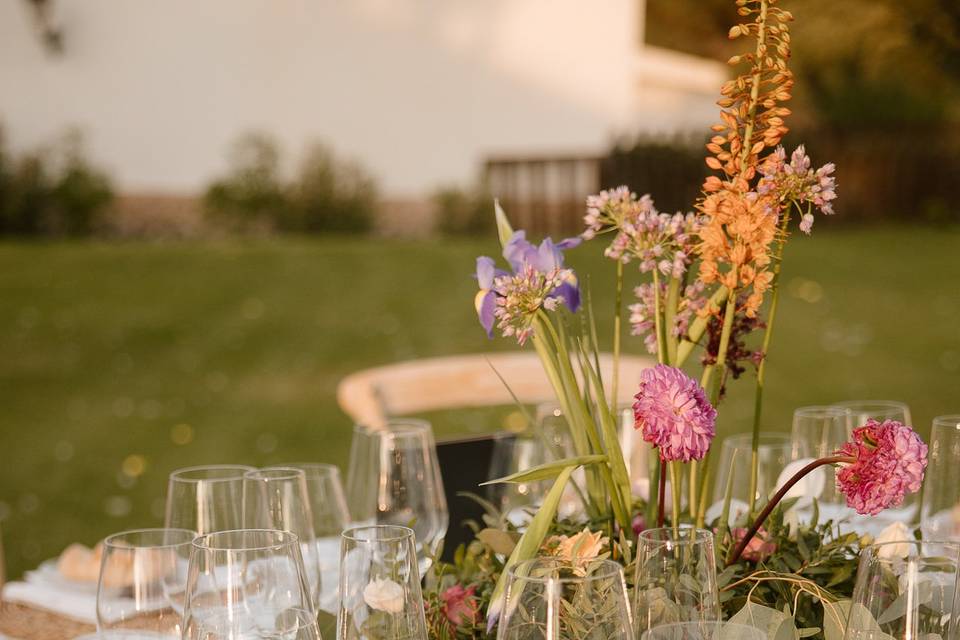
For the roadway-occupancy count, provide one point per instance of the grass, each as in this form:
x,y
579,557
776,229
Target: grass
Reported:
x,y
122,362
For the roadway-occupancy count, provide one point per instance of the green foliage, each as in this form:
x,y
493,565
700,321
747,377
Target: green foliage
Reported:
x,y
54,191
328,195
463,212
812,568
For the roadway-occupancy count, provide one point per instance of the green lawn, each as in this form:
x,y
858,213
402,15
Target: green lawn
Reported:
x,y
122,362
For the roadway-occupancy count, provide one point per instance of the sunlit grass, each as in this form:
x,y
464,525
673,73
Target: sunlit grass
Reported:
x,y
122,362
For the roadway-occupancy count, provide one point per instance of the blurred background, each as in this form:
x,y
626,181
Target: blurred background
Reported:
x,y
211,212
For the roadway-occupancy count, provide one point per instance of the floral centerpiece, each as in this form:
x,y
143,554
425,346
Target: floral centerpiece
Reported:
x,y
709,279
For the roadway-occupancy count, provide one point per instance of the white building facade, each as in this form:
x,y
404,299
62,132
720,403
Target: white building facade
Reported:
x,y
418,91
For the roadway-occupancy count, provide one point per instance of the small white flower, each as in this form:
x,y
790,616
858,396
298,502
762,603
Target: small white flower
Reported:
x,y
896,532
384,595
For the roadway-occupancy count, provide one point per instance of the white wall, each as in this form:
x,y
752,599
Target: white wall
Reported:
x,y
418,90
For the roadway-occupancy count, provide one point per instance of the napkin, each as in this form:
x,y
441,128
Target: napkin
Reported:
x,y
46,588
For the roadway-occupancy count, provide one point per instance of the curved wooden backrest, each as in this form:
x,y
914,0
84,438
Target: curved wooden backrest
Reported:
x,y
371,396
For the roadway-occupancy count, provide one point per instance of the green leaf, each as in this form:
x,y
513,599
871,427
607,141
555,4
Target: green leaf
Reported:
x,y
504,230
502,542
774,624
549,470
327,623
530,541
835,619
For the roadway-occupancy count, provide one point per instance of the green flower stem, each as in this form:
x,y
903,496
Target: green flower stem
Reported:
x,y
580,417
765,349
661,491
777,497
551,367
653,475
617,312
669,317
658,320
699,326
721,363
693,490
704,476
754,89
675,490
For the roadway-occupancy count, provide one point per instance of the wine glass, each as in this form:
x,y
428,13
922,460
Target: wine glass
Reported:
x,y
940,515
676,579
330,518
394,478
141,586
245,583
817,432
207,498
276,498
715,630
860,412
380,585
774,453
290,624
513,453
905,591
552,599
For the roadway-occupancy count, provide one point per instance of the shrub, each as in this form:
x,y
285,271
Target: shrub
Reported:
x,y
328,195
251,197
53,191
332,195
463,212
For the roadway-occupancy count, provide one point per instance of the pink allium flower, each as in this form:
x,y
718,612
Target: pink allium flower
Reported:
x,y
759,548
460,605
889,459
673,413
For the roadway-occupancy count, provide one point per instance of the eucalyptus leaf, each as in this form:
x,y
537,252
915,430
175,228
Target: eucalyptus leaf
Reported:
x,y
776,625
502,542
834,626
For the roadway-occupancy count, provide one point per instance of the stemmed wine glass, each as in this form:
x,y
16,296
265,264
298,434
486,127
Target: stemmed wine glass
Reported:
x,y
904,591
143,574
553,599
676,579
394,478
246,583
774,453
276,498
940,513
817,432
206,498
331,517
380,585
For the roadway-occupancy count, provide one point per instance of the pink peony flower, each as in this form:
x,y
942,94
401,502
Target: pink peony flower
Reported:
x,y
460,605
673,413
759,548
639,524
888,461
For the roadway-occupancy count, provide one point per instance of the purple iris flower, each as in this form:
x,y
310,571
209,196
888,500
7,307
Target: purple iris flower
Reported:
x,y
486,300
520,253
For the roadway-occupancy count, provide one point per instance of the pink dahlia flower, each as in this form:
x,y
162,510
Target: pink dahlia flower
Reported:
x,y
673,414
759,548
888,462
460,605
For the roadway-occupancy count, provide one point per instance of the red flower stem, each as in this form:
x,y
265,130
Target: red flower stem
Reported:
x,y
777,497
661,491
